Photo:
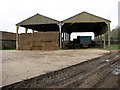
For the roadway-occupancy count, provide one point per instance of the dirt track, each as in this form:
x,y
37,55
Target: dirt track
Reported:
x,y
21,65
97,73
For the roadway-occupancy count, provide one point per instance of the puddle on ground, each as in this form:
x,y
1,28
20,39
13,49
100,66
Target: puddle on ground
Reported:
x,y
116,71
107,60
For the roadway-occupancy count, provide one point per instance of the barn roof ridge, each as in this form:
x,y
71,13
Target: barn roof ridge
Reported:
x,y
39,15
57,21
86,13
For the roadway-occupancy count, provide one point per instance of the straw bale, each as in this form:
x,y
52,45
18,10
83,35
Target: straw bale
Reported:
x,y
38,43
51,44
24,47
38,48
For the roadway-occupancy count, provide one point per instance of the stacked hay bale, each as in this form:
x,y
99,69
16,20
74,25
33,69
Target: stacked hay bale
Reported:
x,y
25,41
39,41
52,41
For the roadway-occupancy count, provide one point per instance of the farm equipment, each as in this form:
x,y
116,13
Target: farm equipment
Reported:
x,y
85,41
80,42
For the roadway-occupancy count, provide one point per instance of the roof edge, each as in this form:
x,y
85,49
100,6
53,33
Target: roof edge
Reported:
x,y
87,13
39,15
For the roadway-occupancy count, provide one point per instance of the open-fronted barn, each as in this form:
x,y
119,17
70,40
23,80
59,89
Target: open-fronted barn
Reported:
x,y
86,22
49,35
46,37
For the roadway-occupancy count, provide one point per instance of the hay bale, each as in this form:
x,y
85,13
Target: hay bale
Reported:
x,y
51,44
24,43
52,48
46,36
24,47
52,33
39,36
25,38
52,36
41,44
26,35
39,41
38,48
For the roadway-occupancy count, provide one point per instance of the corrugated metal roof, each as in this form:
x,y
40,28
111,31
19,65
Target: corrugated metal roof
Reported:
x,y
38,19
85,17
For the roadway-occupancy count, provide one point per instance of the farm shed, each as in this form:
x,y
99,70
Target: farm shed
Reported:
x,y
7,40
86,22
52,29
46,37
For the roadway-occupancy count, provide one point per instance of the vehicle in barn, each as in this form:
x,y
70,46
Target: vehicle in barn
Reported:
x,y
85,41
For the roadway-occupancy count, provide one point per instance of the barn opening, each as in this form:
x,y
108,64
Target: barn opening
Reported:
x,y
85,22
74,35
45,35
82,40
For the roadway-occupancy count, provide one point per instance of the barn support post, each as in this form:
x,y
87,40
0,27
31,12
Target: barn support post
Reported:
x,y
101,40
104,40
65,36
26,29
98,39
94,38
63,39
60,28
17,37
69,36
108,25
33,31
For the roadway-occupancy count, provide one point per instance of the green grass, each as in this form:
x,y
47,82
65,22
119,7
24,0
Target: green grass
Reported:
x,y
113,47
7,49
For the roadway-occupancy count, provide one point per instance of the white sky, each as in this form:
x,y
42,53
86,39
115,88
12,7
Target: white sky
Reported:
x,y
74,35
119,14
14,11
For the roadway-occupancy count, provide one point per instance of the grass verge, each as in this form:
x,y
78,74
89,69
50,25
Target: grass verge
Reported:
x,y
112,47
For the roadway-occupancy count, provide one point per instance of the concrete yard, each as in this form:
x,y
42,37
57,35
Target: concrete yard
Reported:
x,y
21,65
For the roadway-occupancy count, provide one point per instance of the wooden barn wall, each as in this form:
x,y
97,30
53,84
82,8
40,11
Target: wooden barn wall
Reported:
x,y
7,40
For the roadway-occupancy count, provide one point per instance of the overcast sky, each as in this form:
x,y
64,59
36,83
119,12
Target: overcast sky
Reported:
x,y
119,14
14,11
